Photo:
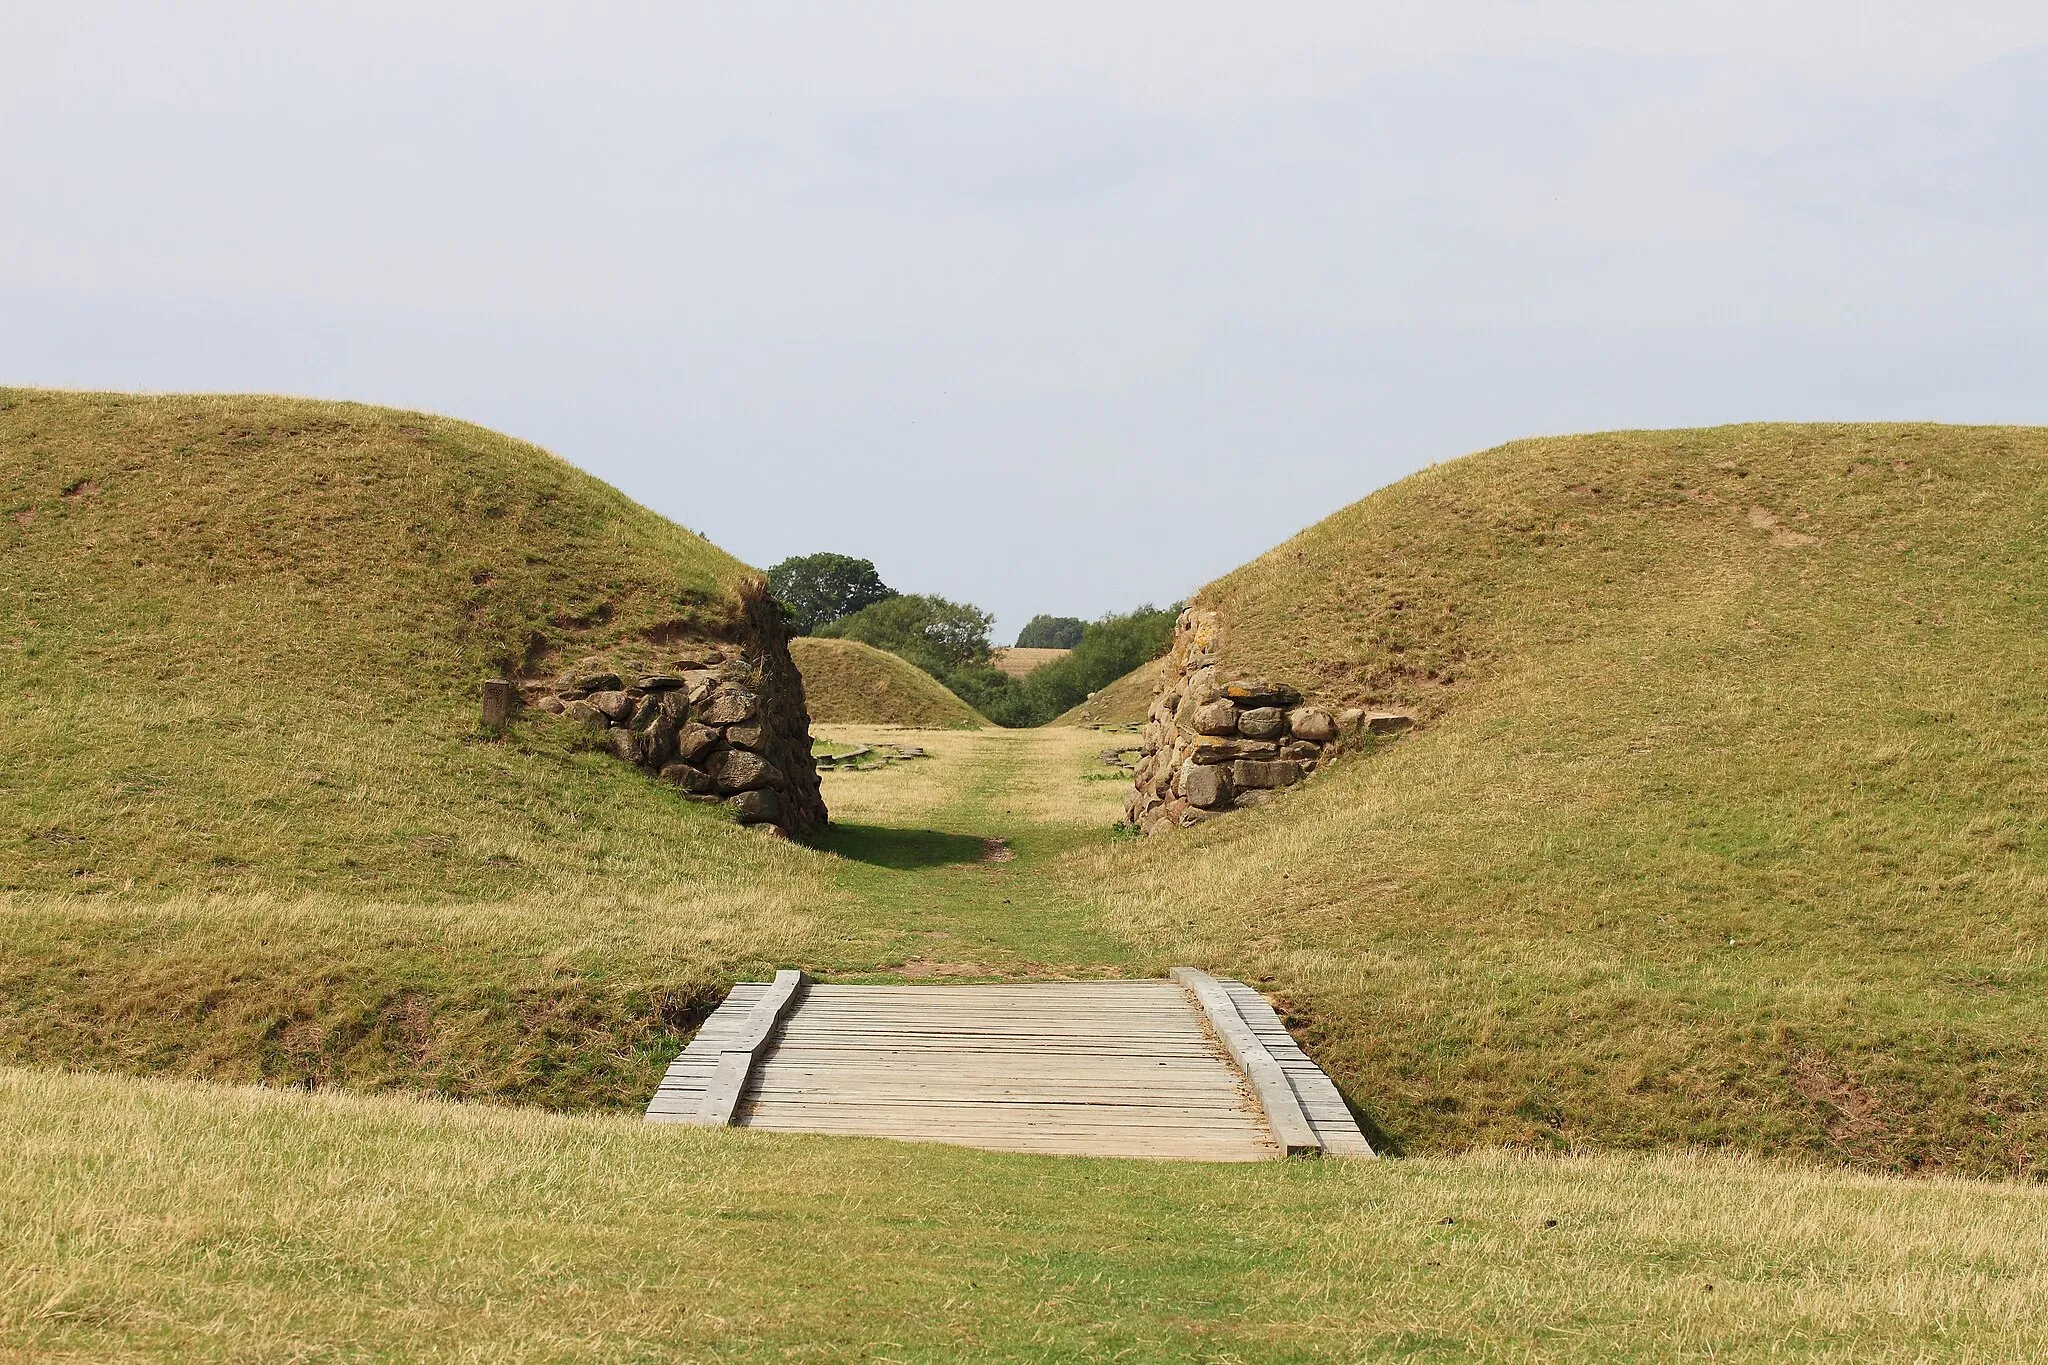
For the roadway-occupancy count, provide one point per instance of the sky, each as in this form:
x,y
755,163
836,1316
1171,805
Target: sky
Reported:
x,y
1051,307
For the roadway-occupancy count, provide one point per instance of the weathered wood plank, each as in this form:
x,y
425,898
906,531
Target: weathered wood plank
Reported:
x,y
739,1041
1123,1068
1319,1095
1291,1127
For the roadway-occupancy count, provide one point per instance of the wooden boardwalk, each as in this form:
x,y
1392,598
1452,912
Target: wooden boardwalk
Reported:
x,y
1195,1068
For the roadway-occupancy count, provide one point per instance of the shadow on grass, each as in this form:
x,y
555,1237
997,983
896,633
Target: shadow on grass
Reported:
x,y
902,850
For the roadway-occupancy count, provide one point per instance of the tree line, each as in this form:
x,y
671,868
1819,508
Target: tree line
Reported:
x,y
839,596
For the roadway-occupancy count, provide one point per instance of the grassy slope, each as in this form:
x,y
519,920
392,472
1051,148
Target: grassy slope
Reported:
x,y
247,825
187,1222
1126,701
847,682
1717,833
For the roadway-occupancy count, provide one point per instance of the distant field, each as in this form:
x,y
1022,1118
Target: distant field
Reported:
x,y
1022,663
179,1221
847,682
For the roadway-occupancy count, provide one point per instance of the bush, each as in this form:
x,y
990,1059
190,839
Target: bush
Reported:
x,y
936,635
1051,632
949,640
1108,649
820,588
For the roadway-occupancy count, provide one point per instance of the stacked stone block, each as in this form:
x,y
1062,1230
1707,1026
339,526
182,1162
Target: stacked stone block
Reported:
x,y
722,722
1215,743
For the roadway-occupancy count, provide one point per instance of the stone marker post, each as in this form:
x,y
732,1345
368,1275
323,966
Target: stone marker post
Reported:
x,y
497,694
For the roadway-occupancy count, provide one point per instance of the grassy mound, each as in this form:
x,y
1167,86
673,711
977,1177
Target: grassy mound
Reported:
x,y
850,683
1124,702
250,825
1726,823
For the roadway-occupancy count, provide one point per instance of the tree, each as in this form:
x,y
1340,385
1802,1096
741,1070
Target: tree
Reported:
x,y
815,589
1051,632
1109,648
931,632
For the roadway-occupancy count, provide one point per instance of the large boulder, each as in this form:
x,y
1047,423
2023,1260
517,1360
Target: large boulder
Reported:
x,y
755,807
730,708
1262,722
737,770
1207,787
1251,774
1312,724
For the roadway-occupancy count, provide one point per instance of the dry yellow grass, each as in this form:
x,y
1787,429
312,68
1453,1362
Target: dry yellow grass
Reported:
x,y
177,1221
1044,776
1022,663
847,682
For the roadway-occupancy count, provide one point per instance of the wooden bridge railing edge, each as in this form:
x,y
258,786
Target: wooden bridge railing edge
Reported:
x,y
1284,1114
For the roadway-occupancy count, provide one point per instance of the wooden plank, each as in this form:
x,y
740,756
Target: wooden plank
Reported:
x,y
1291,1128
1319,1096
1125,1068
739,1044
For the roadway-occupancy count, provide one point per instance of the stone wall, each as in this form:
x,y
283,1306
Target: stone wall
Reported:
x,y
1214,743
723,720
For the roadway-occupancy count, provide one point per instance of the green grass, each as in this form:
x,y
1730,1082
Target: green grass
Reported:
x,y
150,1220
248,826
1712,835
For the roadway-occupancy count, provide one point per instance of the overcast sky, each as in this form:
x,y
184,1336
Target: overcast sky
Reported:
x,y
1051,307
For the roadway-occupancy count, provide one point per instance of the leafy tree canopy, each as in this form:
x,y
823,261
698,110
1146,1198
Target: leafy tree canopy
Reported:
x,y
816,589
1051,632
936,635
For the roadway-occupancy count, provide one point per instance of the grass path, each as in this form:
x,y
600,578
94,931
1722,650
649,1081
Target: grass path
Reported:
x,y
943,857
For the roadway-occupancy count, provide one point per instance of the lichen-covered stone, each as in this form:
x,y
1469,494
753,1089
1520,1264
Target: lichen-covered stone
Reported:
x,y
1250,692
628,745
1262,722
694,741
1221,749
739,770
749,736
586,716
730,706
1214,718
693,780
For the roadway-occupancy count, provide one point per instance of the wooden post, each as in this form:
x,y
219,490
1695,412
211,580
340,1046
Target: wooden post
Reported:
x,y
497,693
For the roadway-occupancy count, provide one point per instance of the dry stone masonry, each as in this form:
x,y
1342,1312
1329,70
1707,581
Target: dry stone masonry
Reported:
x,y
1214,743
721,721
